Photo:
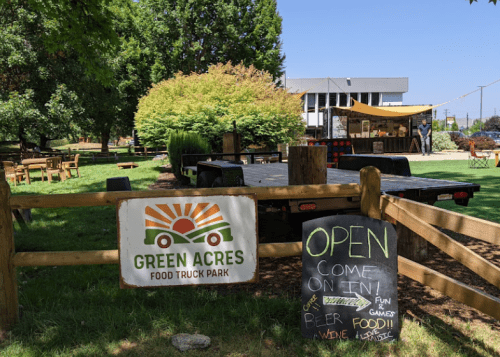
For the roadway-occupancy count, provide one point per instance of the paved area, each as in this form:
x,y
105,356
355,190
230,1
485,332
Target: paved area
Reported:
x,y
437,156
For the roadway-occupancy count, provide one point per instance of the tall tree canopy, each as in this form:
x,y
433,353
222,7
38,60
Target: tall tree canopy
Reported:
x,y
109,109
73,65
85,26
37,95
208,104
189,36
47,95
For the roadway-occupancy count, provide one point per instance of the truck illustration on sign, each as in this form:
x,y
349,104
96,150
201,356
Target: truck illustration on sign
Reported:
x,y
193,223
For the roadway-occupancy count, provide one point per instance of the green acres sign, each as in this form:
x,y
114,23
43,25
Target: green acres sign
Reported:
x,y
187,240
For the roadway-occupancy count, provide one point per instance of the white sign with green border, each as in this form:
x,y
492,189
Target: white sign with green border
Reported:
x,y
187,240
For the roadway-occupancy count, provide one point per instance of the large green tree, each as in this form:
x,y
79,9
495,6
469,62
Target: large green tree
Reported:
x,y
109,109
47,95
189,36
208,103
85,26
69,65
37,87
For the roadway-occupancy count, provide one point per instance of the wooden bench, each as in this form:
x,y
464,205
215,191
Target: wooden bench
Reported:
x,y
127,165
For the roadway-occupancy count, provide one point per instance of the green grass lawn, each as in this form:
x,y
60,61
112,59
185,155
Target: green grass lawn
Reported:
x,y
81,311
486,202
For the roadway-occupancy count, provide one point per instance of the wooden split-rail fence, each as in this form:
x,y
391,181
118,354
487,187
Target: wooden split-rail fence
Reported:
x,y
418,217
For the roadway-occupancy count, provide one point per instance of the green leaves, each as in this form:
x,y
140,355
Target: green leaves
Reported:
x,y
85,27
189,36
181,142
210,102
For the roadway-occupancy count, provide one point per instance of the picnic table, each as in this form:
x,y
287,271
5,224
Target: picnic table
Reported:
x,y
127,165
34,164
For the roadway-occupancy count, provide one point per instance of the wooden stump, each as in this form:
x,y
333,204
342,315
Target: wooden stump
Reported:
x,y
307,165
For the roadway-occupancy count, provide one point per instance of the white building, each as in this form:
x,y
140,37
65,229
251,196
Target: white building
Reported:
x,y
321,93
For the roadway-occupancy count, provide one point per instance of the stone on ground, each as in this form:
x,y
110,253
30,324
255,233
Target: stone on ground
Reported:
x,y
185,341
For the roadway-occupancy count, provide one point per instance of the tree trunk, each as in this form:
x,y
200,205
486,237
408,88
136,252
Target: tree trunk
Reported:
x,y
43,140
22,140
104,141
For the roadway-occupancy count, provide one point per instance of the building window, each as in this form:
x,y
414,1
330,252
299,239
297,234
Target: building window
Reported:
x,y
333,99
364,98
354,96
343,100
375,99
321,100
311,102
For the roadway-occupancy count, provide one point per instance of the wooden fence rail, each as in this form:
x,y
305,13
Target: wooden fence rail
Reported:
x,y
462,254
412,214
9,260
471,226
418,218
109,198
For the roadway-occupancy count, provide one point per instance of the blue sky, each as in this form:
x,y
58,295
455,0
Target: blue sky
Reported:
x,y
445,47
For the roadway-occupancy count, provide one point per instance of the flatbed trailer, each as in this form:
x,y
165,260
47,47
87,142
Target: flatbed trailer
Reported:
x,y
419,189
220,173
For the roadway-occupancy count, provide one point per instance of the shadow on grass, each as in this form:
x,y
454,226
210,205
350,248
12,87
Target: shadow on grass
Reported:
x,y
82,311
436,326
82,306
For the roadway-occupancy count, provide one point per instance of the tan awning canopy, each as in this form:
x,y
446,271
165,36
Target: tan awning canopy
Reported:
x,y
392,111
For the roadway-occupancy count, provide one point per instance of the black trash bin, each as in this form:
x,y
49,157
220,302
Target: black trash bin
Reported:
x,y
118,184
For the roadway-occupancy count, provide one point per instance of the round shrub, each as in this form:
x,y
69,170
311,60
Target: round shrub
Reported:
x,y
462,143
209,103
442,141
481,143
484,143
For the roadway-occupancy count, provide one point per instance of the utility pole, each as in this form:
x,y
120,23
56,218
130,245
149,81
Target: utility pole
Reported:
x,y
481,108
446,119
329,115
467,121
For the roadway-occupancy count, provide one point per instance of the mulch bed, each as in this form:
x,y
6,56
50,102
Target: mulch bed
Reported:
x,y
282,277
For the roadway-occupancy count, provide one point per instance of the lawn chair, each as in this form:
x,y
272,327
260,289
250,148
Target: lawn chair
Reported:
x,y
477,159
54,167
13,172
72,165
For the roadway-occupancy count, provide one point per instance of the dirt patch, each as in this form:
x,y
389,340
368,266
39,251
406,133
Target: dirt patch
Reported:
x,y
282,277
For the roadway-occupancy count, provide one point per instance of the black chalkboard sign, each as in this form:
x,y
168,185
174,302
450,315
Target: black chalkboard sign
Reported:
x,y
349,279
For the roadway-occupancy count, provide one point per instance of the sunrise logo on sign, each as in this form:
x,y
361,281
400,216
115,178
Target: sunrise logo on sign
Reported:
x,y
188,223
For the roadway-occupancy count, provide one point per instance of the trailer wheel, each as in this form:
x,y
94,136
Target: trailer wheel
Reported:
x,y
164,241
213,239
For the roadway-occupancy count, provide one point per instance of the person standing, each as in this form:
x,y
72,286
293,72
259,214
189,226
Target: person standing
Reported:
x,y
424,130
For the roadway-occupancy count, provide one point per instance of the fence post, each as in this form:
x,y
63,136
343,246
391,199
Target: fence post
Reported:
x,y
369,178
9,311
